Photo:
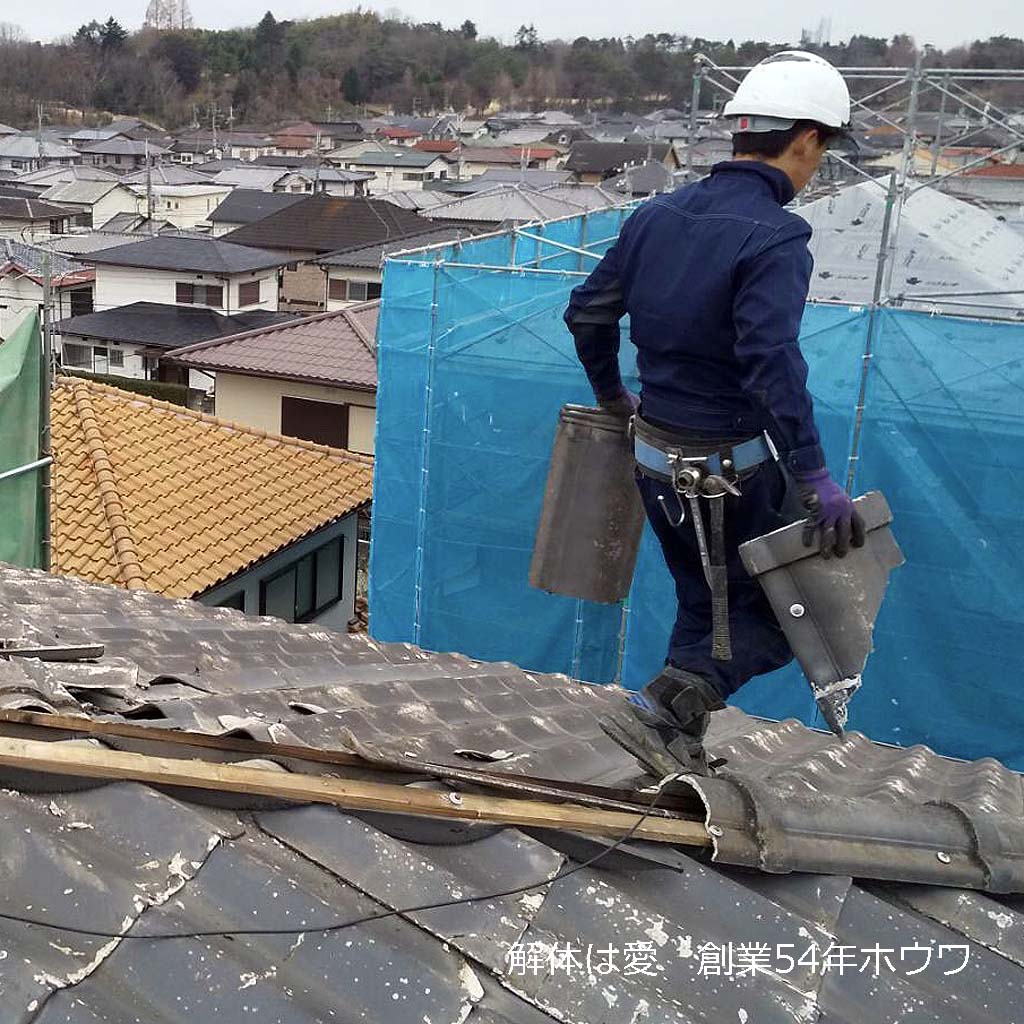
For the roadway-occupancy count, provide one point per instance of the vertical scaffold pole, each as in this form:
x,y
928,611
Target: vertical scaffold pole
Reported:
x,y
698,76
869,341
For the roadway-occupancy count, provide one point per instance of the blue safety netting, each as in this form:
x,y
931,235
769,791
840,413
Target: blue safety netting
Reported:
x,y
474,364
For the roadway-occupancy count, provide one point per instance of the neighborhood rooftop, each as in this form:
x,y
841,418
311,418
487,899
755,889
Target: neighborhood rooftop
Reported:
x,y
181,252
326,223
331,348
149,494
159,325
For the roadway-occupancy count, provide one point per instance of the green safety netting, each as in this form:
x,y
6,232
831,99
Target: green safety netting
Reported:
x,y
21,503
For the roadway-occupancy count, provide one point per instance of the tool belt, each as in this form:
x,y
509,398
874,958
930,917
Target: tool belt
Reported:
x,y
697,469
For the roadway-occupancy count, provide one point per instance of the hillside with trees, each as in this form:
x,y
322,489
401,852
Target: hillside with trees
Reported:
x,y
340,65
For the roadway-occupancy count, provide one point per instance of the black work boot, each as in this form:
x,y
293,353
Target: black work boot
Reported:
x,y
668,734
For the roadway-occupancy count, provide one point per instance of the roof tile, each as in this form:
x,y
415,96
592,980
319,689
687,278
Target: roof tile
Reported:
x,y
151,495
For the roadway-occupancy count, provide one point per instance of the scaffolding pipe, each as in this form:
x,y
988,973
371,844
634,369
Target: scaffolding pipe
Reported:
x,y
11,474
869,341
45,451
698,74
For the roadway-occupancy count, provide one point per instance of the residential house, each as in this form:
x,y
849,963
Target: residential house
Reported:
x,y
999,186
94,203
132,340
266,179
197,145
506,204
354,275
187,271
806,855
399,168
531,177
333,181
474,160
300,140
137,224
186,206
318,225
31,220
119,153
396,135
63,174
23,270
592,162
28,152
162,173
313,377
149,495
641,180
245,206
335,133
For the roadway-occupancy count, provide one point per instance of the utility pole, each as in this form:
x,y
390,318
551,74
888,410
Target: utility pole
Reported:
x,y
149,190
45,382
213,127
39,132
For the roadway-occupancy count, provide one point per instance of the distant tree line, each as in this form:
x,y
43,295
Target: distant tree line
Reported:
x,y
341,64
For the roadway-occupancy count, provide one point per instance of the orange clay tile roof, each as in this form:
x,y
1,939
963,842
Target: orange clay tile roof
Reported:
x,y
150,495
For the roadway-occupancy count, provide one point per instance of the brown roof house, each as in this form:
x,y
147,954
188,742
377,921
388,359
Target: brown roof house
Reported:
x,y
318,225
153,496
314,378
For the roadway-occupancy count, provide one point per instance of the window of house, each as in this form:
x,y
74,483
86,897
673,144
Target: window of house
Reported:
x,y
116,357
76,355
235,600
337,288
249,293
81,301
307,587
352,291
100,360
412,176
188,294
322,422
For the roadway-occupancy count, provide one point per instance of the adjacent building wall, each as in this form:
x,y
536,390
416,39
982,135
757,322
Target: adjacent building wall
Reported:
x,y
119,286
256,402
335,617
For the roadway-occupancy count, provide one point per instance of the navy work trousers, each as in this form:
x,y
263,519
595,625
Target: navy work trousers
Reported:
x,y
758,643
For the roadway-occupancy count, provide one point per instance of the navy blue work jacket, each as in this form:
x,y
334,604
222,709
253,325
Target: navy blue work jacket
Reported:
x,y
714,277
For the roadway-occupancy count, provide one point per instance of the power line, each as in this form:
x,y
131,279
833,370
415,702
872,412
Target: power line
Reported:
x,y
337,926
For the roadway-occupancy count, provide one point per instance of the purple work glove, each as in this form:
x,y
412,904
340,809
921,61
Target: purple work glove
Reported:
x,y
833,514
624,404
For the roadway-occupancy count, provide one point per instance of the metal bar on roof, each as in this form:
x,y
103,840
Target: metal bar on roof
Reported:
x,y
853,167
558,245
518,269
28,467
980,110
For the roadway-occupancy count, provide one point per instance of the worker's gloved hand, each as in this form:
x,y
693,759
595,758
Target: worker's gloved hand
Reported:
x,y
624,404
833,514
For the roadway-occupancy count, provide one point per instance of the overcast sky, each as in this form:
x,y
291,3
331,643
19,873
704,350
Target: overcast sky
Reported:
x,y
941,22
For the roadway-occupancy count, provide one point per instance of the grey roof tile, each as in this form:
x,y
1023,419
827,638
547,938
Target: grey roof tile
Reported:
x,y
330,348
123,854
188,252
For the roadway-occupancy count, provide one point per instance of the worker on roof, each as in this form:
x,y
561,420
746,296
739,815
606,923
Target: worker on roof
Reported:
x,y
714,277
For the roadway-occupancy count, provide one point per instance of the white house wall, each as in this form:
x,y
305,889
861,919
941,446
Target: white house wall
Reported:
x,y
186,211
119,286
370,276
335,617
256,402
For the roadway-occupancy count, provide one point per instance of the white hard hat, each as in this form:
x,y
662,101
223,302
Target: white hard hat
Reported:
x,y
790,86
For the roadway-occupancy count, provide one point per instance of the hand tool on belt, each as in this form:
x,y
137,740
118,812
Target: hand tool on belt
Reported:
x,y
695,469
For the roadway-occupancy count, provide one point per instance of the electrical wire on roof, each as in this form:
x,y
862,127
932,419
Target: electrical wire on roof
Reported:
x,y
337,926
